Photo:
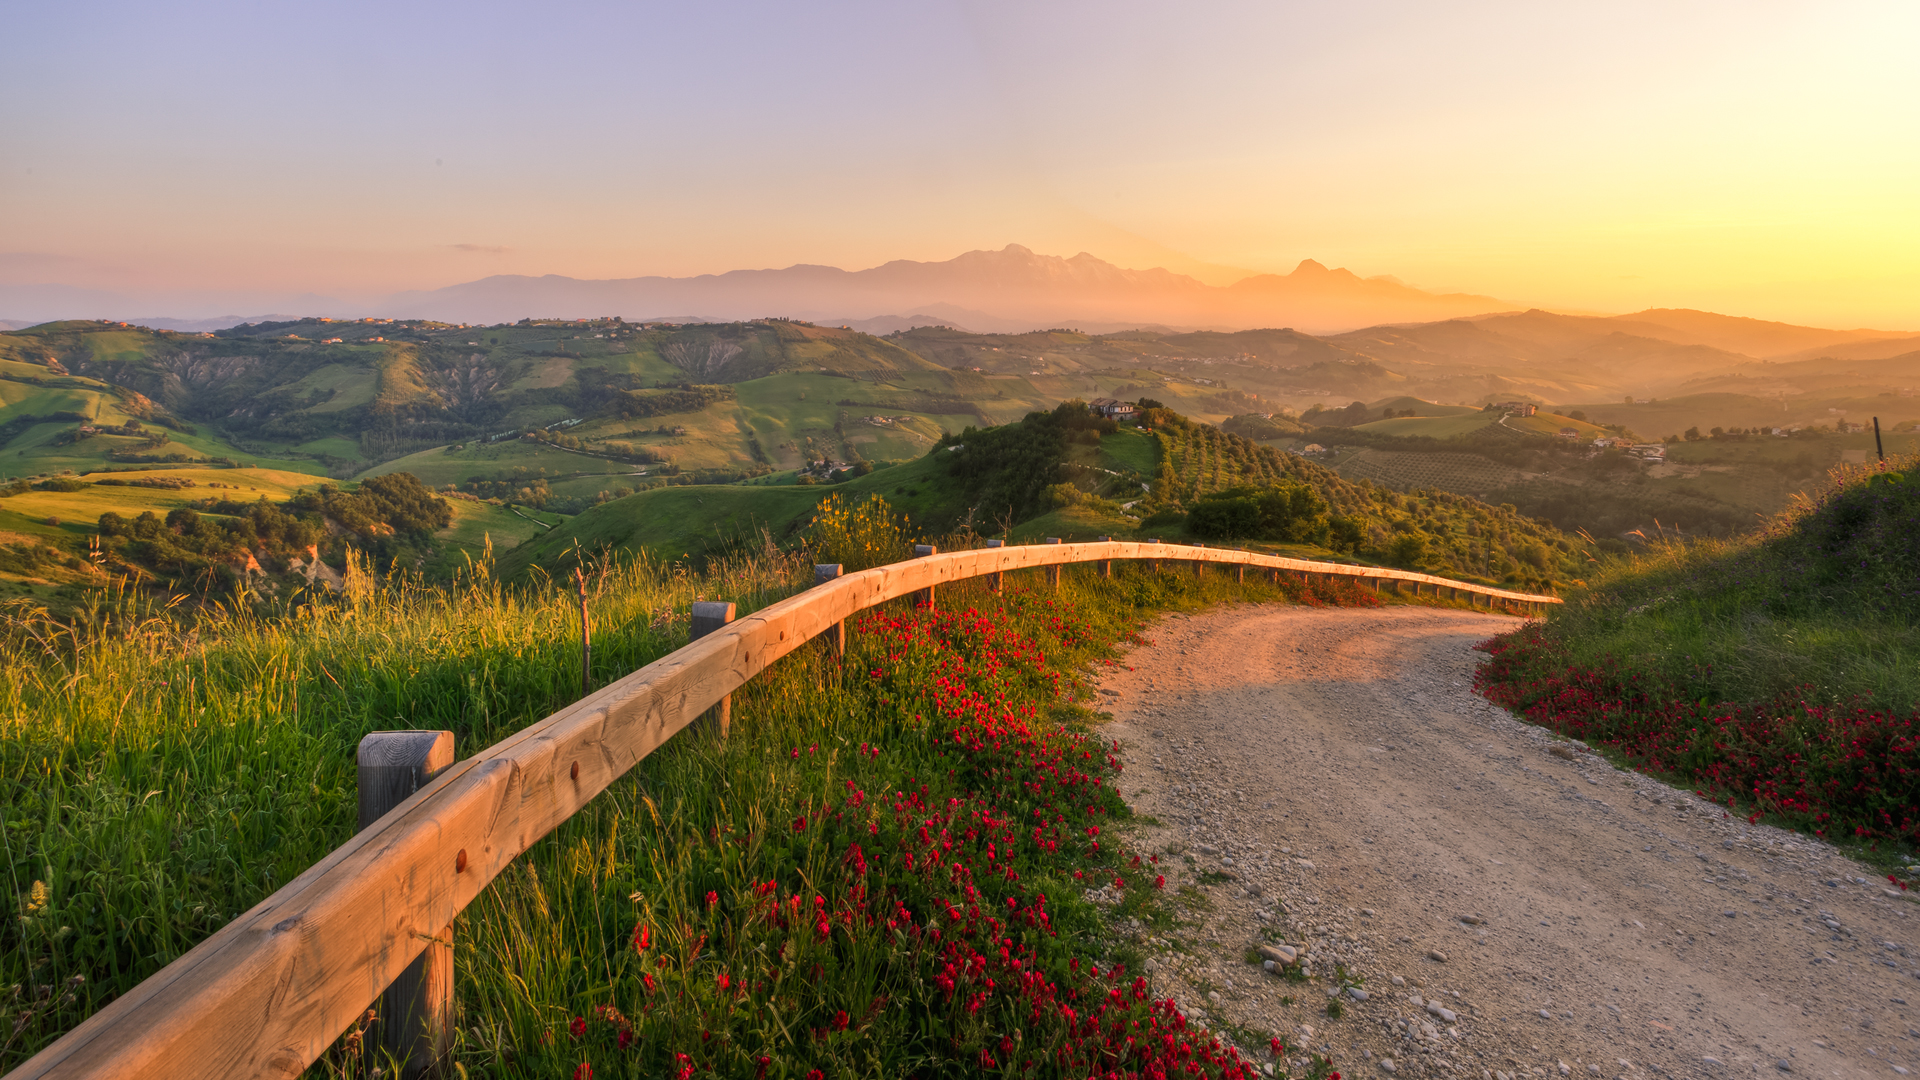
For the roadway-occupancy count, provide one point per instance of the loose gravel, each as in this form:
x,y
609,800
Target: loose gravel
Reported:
x,y
1480,897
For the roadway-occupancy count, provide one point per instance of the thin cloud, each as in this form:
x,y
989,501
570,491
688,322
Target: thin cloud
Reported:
x,y
480,249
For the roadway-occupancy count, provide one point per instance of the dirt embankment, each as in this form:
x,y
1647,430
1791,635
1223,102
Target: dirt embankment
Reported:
x,y
1327,779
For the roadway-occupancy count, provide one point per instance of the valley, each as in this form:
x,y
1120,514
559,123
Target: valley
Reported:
x,y
686,440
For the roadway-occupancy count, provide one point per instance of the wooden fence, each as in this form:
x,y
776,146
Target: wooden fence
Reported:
x,y
267,994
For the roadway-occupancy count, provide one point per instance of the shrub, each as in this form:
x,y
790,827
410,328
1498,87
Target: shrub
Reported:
x,y
861,536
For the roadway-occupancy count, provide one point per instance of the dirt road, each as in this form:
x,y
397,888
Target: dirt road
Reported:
x,y
1327,779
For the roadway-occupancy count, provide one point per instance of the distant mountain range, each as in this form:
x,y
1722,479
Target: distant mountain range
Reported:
x,y
1006,291
1015,290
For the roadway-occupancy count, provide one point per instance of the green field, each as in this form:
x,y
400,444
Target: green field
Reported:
x,y
443,465
1552,424
1130,450
78,510
1432,427
476,524
699,520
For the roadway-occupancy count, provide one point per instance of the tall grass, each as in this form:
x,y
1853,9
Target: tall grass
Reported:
x,y
753,906
1778,674
1824,600
162,773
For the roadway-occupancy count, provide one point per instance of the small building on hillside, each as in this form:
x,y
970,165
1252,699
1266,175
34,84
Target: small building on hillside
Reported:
x,y
1112,408
1569,433
1517,408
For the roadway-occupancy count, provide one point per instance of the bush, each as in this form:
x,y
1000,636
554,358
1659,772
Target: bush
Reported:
x,y
1408,550
859,537
1287,511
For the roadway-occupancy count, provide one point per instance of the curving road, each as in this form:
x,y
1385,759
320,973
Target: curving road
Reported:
x,y
1326,778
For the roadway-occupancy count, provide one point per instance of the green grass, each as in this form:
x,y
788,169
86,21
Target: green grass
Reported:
x,y
1778,674
1820,599
674,522
158,778
443,465
1130,450
699,520
79,510
1434,427
351,386
1546,423
478,524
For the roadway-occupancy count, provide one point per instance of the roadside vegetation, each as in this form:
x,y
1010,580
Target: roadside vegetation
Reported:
x,y
881,872
1778,673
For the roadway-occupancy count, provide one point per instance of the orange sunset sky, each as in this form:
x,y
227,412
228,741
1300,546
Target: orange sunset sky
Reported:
x,y
1756,158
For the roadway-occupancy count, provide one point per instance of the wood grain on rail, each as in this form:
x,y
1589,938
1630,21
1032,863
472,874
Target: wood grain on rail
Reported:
x,y
267,994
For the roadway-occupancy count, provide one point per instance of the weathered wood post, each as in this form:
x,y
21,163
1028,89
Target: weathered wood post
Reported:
x,y
835,635
1199,567
415,1014
1106,565
993,579
1053,571
1240,571
924,596
708,616
1153,564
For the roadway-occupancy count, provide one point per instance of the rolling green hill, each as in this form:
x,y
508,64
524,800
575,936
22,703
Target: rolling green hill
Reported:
x,y
562,416
1062,473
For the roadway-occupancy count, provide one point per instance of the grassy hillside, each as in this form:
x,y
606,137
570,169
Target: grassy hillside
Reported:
x,y
1426,528
161,783
1432,427
1063,474
1780,672
704,520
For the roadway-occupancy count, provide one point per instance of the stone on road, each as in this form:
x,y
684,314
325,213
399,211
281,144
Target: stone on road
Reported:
x,y
1325,782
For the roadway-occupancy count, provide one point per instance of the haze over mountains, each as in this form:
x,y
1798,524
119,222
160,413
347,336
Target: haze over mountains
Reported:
x,y
1015,290
1010,290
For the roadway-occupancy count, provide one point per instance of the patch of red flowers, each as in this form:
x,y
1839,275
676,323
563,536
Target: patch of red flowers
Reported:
x,y
1833,769
916,903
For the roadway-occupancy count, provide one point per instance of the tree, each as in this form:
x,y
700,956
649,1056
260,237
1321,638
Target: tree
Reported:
x,y
1407,550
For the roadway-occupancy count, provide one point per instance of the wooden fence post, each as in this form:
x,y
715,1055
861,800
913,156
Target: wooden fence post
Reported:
x,y
1053,572
924,596
1199,567
415,1014
708,616
835,635
1106,565
993,579
1240,571
1153,564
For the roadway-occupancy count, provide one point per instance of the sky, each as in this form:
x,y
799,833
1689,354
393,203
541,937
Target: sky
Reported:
x,y
1755,158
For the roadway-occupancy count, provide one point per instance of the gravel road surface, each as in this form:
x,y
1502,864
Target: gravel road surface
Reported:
x,y
1510,904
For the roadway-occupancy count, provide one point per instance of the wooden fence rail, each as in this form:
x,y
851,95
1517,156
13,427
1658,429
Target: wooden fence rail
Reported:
x,y
267,994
